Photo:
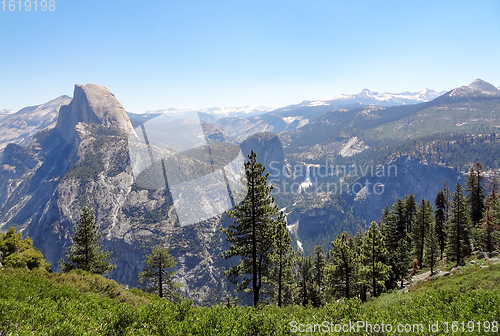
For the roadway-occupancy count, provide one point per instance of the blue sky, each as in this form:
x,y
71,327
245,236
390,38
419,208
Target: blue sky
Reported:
x,y
160,54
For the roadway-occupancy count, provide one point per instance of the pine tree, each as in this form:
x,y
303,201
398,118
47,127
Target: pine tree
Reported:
x,y
388,228
158,274
475,188
306,287
423,220
440,218
373,254
396,241
431,246
399,212
489,224
447,197
86,253
281,278
252,234
359,237
391,239
346,263
401,260
410,208
319,267
459,226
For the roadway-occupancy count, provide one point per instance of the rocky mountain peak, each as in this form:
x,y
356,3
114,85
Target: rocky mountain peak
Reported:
x,y
481,85
92,103
477,89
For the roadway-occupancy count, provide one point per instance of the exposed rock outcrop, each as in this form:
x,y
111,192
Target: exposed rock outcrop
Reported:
x,y
92,103
400,176
268,148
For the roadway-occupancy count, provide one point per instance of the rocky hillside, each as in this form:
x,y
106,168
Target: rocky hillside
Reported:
x,y
84,161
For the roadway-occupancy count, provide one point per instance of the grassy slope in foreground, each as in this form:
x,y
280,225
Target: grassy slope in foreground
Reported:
x,y
81,304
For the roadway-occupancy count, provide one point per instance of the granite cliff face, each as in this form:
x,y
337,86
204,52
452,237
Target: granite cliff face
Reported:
x,y
92,103
268,148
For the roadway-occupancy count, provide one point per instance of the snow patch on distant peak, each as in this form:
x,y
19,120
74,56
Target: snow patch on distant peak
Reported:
x,y
246,109
218,112
369,97
7,112
318,103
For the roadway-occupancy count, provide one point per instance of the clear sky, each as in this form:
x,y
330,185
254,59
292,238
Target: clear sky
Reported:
x,y
177,53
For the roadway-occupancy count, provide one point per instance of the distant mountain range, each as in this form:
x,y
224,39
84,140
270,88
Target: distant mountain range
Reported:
x,y
367,97
215,113
18,127
364,98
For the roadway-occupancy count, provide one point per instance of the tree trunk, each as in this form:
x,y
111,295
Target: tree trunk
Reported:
x,y
432,262
346,281
362,293
279,280
458,232
254,246
489,246
304,284
373,268
422,241
160,279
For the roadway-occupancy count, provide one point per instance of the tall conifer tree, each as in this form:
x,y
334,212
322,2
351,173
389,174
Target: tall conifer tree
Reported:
x,y
399,211
86,253
319,266
281,278
396,241
346,263
423,219
391,239
431,246
410,206
158,274
374,253
474,185
401,260
490,223
252,234
306,287
440,216
459,226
